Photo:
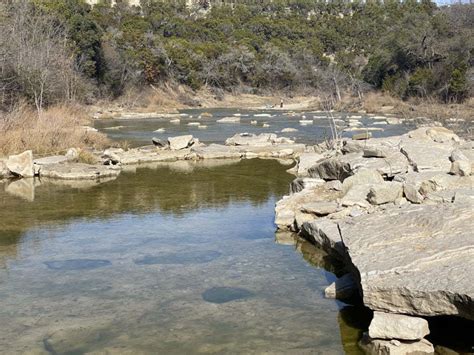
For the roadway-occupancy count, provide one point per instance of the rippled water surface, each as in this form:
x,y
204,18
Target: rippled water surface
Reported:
x,y
175,258
141,131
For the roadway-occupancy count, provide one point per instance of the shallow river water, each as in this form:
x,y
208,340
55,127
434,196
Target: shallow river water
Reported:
x,y
141,131
174,258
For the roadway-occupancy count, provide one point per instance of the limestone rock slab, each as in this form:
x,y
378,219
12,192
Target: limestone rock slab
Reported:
x,y
396,347
415,259
397,326
78,171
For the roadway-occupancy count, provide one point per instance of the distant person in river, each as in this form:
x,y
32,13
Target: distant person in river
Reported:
x,y
281,103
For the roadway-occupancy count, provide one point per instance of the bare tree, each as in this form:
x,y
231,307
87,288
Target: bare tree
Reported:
x,y
36,61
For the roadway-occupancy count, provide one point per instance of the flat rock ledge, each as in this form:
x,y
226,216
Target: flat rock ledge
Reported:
x,y
110,162
399,213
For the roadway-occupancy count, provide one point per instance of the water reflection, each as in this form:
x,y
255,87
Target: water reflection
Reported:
x,y
162,260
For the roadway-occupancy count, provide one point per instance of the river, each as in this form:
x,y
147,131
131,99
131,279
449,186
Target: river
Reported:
x,y
174,258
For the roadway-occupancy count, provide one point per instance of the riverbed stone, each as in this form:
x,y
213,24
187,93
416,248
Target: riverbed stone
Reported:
x,y
78,171
395,347
362,177
54,159
397,326
330,169
21,164
430,270
306,161
357,196
374,152
217,151
232,119
343,288
251,139
423,156
324,233
388,191
361,136
461,168
288,209
442,135
180,142
320,208
300,184
72,154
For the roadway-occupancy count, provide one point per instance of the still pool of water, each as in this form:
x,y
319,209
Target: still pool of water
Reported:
x,y
175,258
140,131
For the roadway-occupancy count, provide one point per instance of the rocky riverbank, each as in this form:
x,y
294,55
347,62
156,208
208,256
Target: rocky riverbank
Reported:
x,y
399,212
110,162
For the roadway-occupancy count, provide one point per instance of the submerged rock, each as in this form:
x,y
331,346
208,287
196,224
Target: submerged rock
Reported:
x,y
77,264
78,171
225,294
183,258
343,288
396,347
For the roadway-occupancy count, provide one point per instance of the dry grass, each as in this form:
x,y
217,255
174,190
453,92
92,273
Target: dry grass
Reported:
x,y
52,132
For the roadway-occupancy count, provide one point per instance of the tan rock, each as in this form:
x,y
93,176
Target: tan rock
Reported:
x,y
21,164
397,326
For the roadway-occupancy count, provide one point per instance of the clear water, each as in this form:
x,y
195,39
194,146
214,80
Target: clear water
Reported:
x,y
140,131
176,258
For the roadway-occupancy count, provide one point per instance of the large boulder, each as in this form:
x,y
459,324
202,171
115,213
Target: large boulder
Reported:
x,y
461,168
180,142
306,161
415,259
288,213
423,156
21,164
397,326
331,169
362,177
442,135
320,208
386,192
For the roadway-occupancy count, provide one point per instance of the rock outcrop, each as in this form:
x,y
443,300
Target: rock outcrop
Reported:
x,y
402,222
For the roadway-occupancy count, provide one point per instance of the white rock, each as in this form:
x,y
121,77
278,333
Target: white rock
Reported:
x,y
386,192
288,130
21,164
180,142
461,168
343,288
229,120
397,326
395,347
